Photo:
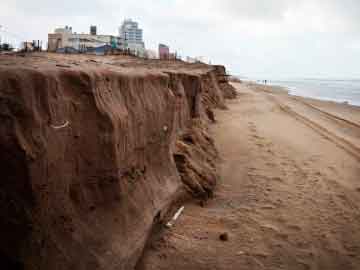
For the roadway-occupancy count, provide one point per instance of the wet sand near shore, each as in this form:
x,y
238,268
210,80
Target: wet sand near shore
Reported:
x,y
289,193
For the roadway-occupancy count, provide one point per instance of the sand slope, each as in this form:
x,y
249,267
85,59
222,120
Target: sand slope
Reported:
x,y
289,196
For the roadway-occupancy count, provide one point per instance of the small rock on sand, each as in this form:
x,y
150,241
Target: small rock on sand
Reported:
x,y
224,237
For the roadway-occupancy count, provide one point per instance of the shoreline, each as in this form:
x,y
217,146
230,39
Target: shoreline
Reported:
x,y
336,109
291,93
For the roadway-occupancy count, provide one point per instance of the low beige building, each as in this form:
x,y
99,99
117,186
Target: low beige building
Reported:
x,y
65,38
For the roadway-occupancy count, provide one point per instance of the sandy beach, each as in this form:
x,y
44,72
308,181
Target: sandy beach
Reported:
x,y
289,193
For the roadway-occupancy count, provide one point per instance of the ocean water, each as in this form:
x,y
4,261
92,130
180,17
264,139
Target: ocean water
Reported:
x,y
339,90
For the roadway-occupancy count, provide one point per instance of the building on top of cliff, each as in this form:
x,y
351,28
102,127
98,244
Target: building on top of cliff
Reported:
x,y
65,40
132,35
151,54
164,52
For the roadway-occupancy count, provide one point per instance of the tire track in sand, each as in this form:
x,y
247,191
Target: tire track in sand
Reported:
x,y
330,116
343,144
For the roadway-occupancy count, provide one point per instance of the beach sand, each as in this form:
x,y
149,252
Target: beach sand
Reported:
x,y
289,192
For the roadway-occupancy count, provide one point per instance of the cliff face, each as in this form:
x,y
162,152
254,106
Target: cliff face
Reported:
x,y
228,90
91,158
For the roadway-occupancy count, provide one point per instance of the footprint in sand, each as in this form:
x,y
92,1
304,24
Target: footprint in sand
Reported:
x,y
270,227
269,144
304,265
282,236
278,179
331,168
268,207
257,137
252,128
270,164
294,227
253,131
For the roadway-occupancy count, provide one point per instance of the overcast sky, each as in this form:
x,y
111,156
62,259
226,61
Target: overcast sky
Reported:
x,y
262,38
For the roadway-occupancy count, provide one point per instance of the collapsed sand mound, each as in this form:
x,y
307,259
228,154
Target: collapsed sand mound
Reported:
x,y
91,158
195,157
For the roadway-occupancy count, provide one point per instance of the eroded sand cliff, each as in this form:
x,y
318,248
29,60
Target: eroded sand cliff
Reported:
x,y
94,150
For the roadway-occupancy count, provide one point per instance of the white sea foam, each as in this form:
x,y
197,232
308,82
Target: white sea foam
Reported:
x,y
327,89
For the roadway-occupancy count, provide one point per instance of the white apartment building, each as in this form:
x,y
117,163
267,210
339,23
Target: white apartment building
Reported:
x,y
132,35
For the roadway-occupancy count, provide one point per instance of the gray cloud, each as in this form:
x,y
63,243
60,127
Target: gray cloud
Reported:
x,y
254,10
